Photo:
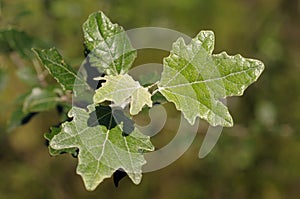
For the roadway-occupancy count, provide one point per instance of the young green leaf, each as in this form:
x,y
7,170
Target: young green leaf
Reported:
x,y
34,101
122,89
40,100
16,40
102,151
64,74
18,117
109,46
194,79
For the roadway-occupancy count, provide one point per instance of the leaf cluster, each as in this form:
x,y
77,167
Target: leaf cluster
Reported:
x,y
99,128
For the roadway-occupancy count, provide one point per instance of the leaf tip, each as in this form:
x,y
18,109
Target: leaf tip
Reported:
x,y
207,39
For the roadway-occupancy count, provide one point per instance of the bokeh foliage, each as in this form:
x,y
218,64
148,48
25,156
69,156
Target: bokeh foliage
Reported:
x,y
257,158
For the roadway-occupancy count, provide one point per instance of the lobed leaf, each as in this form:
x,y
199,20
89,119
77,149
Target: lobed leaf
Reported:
x,y
122,89
102,151
195,80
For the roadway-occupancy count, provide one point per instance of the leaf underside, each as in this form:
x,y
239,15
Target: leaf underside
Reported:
x,y
102,151
195,80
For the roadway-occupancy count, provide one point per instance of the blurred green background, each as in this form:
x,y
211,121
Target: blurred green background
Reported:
x,y
257,158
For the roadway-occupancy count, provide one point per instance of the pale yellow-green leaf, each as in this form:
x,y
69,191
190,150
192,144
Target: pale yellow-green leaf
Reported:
x,y
121,90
